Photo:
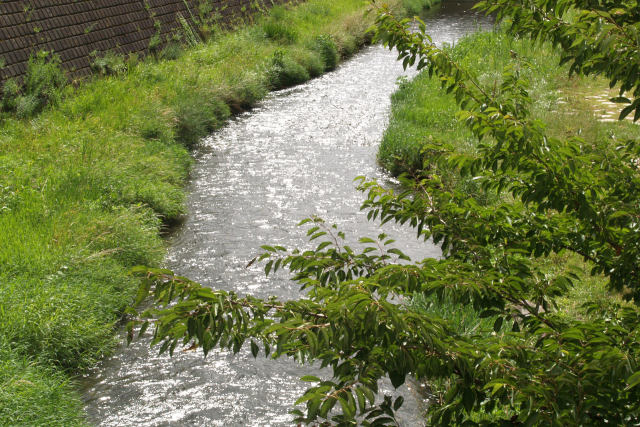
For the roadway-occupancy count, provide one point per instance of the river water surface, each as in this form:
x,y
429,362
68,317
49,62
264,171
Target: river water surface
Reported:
x,y
295,155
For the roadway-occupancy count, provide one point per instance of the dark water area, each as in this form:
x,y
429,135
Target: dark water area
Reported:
x,y
295,155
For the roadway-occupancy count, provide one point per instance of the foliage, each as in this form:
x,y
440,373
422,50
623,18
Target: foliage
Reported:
x,y
44,80
277,28
171,51
284,72
10,93
155,42
189,35
416,7
110,63
553,195
43,83
206,19
197,115
328,51
279,31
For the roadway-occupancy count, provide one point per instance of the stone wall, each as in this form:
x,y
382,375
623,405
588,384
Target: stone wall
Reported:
x,y
76,28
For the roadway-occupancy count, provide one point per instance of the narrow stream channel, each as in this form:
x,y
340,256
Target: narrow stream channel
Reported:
x,y
293,156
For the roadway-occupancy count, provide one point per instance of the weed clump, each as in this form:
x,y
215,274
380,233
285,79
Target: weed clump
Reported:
x,y
109,64
171,51
328,51
277,28
43,84
284,72
244,94
279,32
415,7
196,116
10,93
44,80
310,60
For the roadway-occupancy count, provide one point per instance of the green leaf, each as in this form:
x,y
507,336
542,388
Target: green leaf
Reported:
x,y
497,325
397,378
633,381
398,403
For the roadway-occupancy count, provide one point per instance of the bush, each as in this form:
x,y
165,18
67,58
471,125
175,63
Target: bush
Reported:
x,y
154,44
310,60
27,106
196,116
415,7
43,84
284,72
171,51
10,93
109,64
328,51
45,79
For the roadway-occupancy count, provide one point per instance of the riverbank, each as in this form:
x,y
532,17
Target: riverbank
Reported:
x,y
88,185
422,112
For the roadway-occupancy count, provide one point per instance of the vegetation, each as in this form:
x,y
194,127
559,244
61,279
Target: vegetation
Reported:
x,y
519,207
91,174
43,85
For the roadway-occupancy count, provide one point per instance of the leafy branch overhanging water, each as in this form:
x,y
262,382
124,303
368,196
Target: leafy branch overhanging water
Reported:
x,y
554,195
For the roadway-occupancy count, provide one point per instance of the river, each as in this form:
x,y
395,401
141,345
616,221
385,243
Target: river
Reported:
x,y
294,155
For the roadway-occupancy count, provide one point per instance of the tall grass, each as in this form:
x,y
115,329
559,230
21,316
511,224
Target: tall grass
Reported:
x,y
86,186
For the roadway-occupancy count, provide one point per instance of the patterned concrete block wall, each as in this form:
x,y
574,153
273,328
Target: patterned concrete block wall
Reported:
x,y
76,28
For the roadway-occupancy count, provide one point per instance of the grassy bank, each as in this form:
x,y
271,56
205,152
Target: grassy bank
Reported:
x,y
422,112
87,185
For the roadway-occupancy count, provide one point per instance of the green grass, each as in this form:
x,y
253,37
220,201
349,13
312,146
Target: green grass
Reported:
x,y
86,186
33,394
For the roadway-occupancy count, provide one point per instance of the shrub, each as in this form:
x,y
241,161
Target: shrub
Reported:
x,y
415,7
27,106
328,51
310,60
154,44
244,93
196,116
171,51
10,93
284,72
207,19
43,84
108,64
44,77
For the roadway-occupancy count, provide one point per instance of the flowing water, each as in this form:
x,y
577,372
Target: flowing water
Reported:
x,y
295,155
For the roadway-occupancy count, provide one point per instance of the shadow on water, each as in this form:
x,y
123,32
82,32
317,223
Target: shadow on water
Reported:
x,y
295,155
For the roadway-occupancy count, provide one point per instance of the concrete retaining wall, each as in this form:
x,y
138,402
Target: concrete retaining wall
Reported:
x,y
75,28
